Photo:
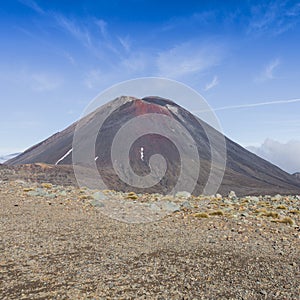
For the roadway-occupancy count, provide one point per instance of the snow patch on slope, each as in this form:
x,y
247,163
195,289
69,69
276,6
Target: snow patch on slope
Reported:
x,y
64,156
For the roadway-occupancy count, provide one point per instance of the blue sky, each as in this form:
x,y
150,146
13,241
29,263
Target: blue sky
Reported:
x,y
56,56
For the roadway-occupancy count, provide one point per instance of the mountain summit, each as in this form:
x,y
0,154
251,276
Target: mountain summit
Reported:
x,y
159,140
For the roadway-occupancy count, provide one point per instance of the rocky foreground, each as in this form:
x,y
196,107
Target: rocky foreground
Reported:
x,y
69,243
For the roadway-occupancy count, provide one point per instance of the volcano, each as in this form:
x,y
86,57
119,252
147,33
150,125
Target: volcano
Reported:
x,y
164,140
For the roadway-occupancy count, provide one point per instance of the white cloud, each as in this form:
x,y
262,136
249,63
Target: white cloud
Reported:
x,y
187,58
212,84
284,155
268,72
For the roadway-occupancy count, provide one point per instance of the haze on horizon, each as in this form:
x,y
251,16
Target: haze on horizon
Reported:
x,y
56,56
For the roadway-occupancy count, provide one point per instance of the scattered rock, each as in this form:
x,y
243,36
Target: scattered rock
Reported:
x,y
277,197
97,203
183,194
186,205
232,195
170,206
254,199
99,196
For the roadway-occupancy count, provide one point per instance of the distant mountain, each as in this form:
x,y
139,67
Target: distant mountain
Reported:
x,y
5,158
245,173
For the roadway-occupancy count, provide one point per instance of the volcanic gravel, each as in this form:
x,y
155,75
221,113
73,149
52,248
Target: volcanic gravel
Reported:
x,y
58,243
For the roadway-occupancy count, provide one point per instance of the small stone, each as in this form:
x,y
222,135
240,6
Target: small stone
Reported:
x,y
51,196
97,203
38,192
254,199
244,214
183,194
226,201
232,195
99,196
263,292
170,206
19,181
186,205
277,197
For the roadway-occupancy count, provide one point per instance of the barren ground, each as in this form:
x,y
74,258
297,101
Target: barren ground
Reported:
x,y
64,248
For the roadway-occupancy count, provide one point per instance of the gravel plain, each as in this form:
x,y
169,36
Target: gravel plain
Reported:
x,y
57,243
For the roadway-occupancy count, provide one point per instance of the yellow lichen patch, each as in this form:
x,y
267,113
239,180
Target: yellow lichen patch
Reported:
x,y
27,189
272,214
132,196
47,185
216,213
281,207
200,215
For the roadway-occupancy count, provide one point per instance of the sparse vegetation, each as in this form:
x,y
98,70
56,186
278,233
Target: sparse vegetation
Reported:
x,y
286,220
216,213
200,215
272,214
281,206
132,196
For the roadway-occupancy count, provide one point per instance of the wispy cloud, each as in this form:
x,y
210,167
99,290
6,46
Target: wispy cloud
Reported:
x,y
188,58
284,155
33,5
274,17
93,78
212,84
42,82
268,72
251,105
125,42
103,27
202,19
79,32
35,80
87,34
69,57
